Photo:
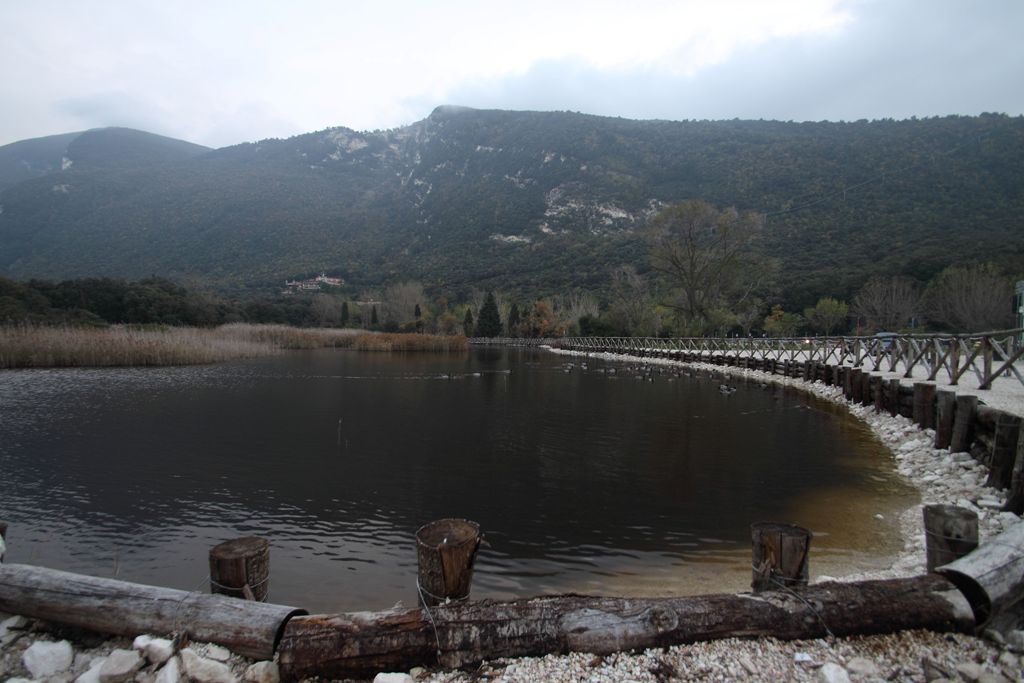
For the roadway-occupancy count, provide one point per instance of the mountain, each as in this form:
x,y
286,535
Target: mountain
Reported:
x,y
97,149
528,202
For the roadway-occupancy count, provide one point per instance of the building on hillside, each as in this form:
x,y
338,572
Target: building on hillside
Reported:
x,y
313,284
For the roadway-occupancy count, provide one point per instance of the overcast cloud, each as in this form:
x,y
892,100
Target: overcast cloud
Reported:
x,y
220,73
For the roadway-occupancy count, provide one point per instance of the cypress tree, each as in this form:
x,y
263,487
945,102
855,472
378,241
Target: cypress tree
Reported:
x,y
467,323
373,316
489,324
344,314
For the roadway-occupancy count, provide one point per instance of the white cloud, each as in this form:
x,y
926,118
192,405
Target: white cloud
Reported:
x,y
219,73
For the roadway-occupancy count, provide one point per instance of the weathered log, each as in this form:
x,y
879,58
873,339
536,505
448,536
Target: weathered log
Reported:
x,y
128,609
240,568
991,577
456,635
963,424
1004,451
945,406
950,532
445,551
779,555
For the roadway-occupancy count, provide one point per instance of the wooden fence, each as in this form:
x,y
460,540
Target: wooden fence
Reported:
x,y
944,358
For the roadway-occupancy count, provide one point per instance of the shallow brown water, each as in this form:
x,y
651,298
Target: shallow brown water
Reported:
x,y
583,479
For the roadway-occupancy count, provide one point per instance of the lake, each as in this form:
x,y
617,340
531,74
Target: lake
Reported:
x,y
607,479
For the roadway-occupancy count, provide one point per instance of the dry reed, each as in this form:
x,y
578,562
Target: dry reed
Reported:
x,y
409,342
120,346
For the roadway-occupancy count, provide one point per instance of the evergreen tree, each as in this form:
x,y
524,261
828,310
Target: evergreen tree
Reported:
x,y
373,316
344,314
467,323
513,321
417,313
489,324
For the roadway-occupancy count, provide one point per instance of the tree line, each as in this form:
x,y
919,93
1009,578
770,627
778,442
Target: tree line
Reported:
x,y
703,275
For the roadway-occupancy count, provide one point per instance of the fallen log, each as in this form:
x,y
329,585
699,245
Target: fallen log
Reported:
x,y
130,609
457,635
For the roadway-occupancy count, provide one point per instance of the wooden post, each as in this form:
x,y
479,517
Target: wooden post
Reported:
x,y
865,388
893,396
780,555
1004,451
879,395
3,540
445,551
836,376
950,532
241,568
963,424
924,398
1015,501
847,382
945,405
856,385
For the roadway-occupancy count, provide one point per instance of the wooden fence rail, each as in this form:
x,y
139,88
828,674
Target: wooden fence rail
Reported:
x,y
935,357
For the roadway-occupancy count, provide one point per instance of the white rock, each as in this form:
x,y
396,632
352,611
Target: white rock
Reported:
x,y
862,666
19,680
393,678
970,671
141,642
417,671
217,653
15,623
44,659
833,673
262,672
802,657
205,670
159,650
120,666
171,673
92,675
1015,641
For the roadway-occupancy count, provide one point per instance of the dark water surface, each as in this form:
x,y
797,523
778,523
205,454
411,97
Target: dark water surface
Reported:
x,y
582,479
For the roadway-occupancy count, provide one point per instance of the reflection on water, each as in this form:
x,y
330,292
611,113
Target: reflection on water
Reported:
x,y
608,478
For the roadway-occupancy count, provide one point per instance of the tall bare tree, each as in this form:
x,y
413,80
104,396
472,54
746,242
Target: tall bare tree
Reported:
x,y
705,255
399,301
632,307
974,298
889,303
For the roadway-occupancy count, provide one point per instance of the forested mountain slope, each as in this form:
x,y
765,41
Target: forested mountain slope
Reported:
x,y
528,202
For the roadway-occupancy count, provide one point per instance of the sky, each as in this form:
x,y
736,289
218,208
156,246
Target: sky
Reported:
x,y
221,72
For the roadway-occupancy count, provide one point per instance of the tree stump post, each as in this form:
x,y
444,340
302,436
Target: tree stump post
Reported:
x,y
924,397
780,555
836,376
950,532
945,406
445,551
1015,501
240,568
879,395
856,385
963,424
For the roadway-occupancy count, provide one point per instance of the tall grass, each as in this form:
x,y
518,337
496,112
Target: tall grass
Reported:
x,y
409,342
120,346
48,347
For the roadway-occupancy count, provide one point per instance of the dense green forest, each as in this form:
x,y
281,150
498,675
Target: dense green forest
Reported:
x,y
532,204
